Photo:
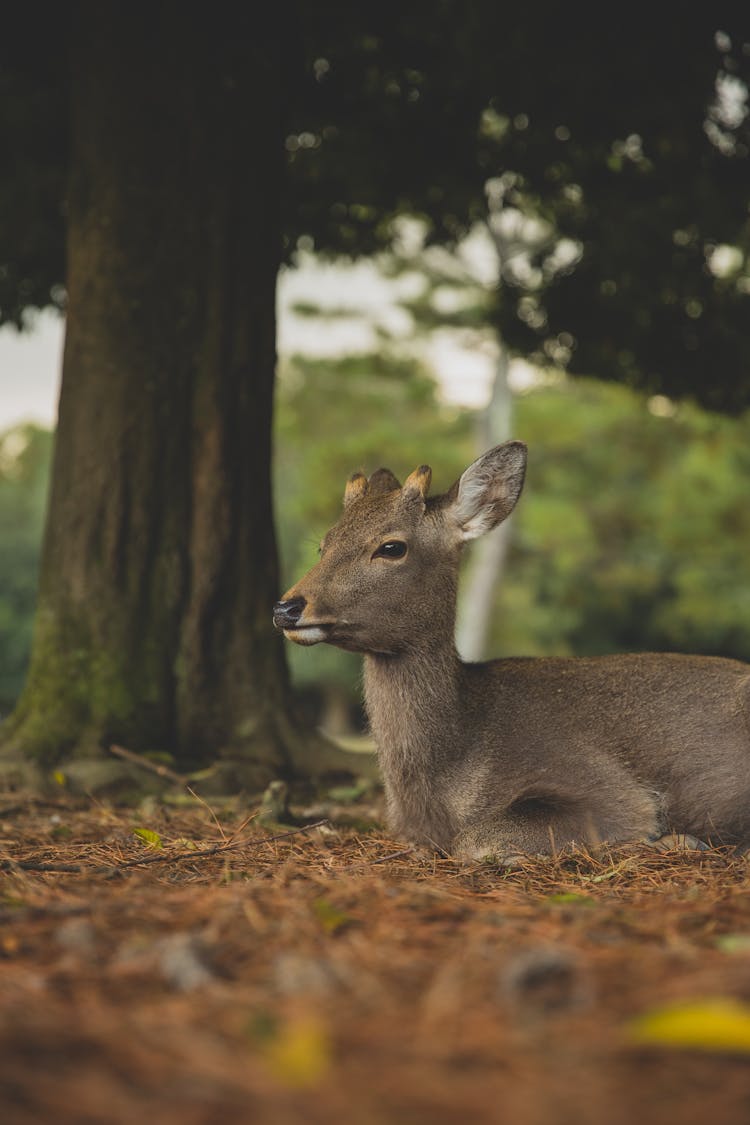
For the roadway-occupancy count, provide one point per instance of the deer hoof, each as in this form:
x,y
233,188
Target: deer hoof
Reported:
x,y
510,862
680,842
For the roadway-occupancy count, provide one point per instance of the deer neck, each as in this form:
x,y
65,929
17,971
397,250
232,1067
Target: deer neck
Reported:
x,y
412,702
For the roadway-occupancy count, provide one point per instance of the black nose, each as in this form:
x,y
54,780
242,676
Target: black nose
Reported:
x,y
287,614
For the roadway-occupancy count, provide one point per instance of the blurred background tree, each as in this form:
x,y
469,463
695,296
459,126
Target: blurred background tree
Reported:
x,y
628,136
650,553
24,475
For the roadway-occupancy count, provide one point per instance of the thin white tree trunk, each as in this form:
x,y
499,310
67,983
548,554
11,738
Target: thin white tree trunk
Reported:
x,y
487,560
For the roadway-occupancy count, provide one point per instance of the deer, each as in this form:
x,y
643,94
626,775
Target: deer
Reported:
x,y
516,756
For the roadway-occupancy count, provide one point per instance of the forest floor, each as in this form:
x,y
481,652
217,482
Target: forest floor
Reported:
x,y
187,965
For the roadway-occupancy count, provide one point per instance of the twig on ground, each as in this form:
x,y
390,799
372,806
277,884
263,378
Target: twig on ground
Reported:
x,y
146,764
385,858
32,865
32,802
238,831
9,810
211,813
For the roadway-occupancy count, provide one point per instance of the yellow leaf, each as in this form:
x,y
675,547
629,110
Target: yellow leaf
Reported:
x,y
299,1054
10,944
714,1024
59,777
148,837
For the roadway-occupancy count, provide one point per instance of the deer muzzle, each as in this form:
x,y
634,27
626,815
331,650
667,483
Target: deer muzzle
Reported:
x,y
287,616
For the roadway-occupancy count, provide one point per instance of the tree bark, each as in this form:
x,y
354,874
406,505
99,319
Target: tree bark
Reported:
x,y
159,562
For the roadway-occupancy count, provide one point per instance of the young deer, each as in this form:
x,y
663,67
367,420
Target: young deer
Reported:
x,y
519,755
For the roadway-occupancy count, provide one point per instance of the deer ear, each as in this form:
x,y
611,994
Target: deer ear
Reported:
x,y
487,492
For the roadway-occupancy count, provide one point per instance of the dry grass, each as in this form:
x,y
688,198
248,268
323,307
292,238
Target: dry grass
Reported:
x,y
331,976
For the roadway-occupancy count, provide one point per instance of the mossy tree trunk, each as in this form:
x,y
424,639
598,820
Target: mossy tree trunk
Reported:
x,y
159,561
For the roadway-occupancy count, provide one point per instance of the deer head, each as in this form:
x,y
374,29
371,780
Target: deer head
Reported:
x,y
388,569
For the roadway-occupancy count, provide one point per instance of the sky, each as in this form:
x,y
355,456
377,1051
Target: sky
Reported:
x,y
30,372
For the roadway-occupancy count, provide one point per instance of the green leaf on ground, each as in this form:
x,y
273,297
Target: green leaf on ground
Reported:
x,y
330,917
149,838
571,898
733,943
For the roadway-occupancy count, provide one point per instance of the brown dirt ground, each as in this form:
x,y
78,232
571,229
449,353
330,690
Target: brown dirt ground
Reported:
x,y
329,975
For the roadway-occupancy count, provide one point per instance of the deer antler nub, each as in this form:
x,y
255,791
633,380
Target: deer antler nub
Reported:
x,y
418,482
356,488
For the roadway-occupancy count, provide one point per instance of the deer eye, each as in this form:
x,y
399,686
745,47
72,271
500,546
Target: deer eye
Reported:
x,y
393,549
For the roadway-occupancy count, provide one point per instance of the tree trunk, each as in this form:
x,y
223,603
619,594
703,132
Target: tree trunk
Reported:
x,y
487,562
159,563
485,565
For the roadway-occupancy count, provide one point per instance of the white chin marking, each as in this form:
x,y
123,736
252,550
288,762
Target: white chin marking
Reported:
x,y
311,636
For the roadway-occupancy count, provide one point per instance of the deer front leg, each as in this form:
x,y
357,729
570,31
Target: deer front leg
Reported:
x,y
505,839
542,823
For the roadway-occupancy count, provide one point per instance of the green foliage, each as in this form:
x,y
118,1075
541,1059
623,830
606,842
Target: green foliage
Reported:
x,y
633,532
611,130
25,453
34,138
580,123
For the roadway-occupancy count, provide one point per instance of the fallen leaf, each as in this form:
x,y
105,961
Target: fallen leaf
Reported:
x,y
299,1054
330,917
733,943
148,837
714,1024
571,898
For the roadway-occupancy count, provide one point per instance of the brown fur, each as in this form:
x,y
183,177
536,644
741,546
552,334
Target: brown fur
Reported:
x,y
520,755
